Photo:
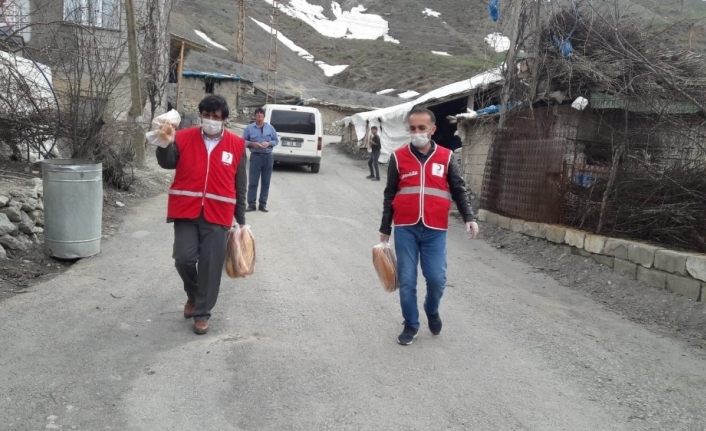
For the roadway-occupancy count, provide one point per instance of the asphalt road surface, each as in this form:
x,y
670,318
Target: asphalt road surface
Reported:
x,y
309,341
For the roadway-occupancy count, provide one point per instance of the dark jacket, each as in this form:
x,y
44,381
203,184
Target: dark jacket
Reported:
x,y
375,143
457,187
168,157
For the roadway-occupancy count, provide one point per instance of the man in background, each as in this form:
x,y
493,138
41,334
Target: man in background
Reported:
x,y
260,137
374,155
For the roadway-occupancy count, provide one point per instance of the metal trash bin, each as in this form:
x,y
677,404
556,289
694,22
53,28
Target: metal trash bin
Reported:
x,y
73,207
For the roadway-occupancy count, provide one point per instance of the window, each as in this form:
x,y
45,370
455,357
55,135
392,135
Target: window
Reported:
x,y
96,13
293,122
14,18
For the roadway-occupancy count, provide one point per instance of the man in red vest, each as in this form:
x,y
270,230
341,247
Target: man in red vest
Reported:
x,y
422,180
209,189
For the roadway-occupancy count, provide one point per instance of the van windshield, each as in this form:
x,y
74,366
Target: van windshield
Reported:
x,y
293,122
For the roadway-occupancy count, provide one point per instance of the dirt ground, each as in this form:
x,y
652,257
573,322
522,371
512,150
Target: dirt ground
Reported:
x,y
23,270
662,311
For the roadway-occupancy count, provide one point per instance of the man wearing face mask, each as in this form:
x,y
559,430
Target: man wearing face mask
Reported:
x,y
422,180
208,191
261,138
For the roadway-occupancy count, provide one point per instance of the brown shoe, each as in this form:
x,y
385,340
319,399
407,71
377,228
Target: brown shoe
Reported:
x,y
189,309
200,326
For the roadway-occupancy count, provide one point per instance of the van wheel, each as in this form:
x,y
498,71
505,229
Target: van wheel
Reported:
x,y
315,168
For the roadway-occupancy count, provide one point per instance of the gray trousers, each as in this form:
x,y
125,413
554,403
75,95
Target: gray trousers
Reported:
x,y
199,253
260,167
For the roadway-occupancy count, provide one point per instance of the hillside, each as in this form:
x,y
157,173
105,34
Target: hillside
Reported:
x,y
455,29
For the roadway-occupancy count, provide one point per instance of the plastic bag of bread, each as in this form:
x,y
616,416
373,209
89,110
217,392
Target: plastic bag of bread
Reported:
x,y
240,252
163,129
385,264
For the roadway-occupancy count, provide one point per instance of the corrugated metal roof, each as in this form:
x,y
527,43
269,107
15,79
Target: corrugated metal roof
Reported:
x,y
213,75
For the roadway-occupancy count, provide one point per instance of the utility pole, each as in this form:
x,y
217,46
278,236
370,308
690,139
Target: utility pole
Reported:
x,y
272,58
240,33
138,139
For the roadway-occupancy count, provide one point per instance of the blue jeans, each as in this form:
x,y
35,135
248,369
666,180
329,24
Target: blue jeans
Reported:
x,y
412,244
260,167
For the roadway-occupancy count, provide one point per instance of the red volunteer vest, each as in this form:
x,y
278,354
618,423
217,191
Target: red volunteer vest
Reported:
x,y
203,181
423,192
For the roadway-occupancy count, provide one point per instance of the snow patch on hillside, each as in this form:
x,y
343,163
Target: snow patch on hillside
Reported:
x,y
352,24
431,12
408,94
444,53
390,90
328,69
205,37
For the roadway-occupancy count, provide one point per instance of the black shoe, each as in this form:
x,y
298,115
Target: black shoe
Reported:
x,y
370,177
434,323
250,208
375,179
263,209
407,336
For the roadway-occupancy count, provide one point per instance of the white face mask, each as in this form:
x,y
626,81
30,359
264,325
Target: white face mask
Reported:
x,y
211,127
419,140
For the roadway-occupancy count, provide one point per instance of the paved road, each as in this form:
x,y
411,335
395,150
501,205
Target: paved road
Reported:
x,y
308,342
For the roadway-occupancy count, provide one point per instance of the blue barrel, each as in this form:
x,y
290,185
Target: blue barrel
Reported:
x,y
73,207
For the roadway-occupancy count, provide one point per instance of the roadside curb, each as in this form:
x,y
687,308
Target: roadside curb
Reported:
x,y
683,273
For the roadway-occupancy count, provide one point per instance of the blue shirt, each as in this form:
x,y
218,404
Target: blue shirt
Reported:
x,y
253,133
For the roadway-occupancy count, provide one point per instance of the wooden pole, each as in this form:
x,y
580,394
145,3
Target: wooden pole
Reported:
x,y
510,66
180,70
136,98
240,33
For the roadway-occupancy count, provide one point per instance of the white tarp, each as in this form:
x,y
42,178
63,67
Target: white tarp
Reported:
x,y
27,87
391,120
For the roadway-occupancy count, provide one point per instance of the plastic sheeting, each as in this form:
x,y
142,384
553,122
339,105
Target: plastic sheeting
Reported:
x,y
391,120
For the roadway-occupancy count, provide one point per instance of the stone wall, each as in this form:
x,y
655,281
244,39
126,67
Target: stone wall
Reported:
x,y
477,137
21,218
683,273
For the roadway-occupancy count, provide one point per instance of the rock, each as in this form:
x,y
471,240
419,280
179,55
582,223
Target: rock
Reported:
x,y
696,266
6,226
18,195
37,187
3,253
594,243
651,277
29,205
555,233
642,254
119,204
12,212
671,261
4,200
684,286
37,217
26,223
575,238
536,230
616,248
517,225
13,243
37,229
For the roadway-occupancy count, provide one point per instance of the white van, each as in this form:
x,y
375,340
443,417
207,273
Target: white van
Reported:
x,y
300,131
